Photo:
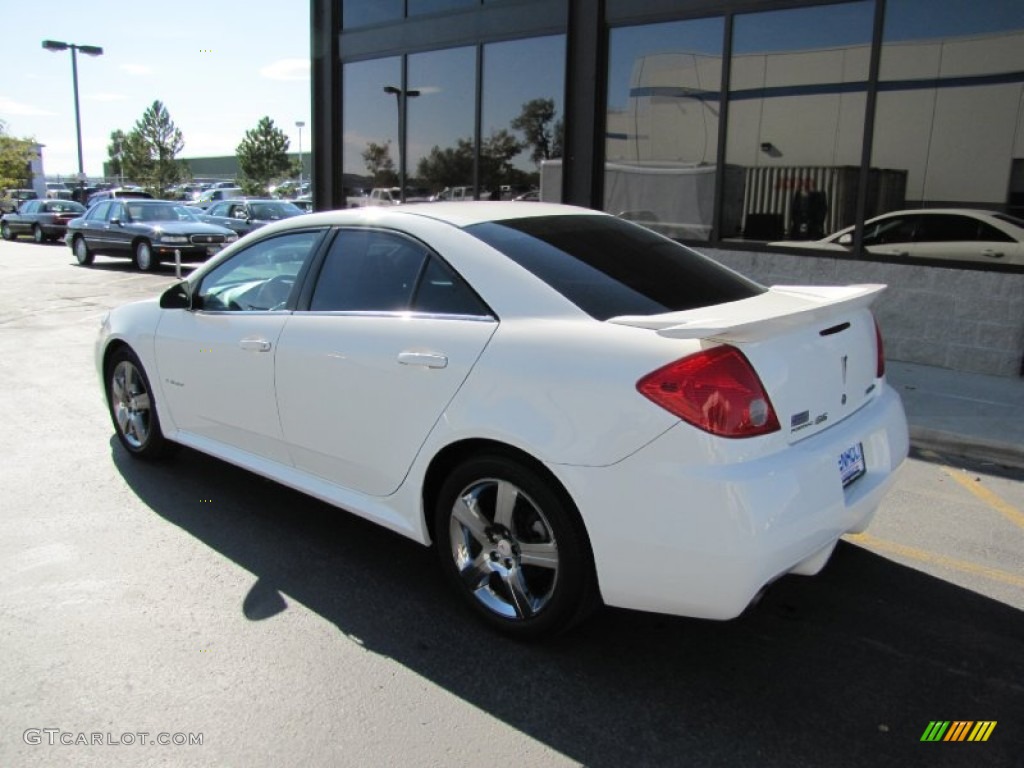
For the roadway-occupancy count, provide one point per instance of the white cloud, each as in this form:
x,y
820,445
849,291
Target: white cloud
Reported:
x,y
287,69
12,107
137,69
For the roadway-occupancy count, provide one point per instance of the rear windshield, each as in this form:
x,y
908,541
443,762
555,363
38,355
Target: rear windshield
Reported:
x,y
608,267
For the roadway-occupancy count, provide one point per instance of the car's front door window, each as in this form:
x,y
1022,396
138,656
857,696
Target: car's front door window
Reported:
x,y
261,277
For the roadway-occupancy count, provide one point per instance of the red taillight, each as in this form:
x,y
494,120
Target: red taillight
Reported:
x,y
716,390
879,352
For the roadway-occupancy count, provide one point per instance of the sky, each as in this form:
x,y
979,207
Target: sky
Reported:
x,y
218,67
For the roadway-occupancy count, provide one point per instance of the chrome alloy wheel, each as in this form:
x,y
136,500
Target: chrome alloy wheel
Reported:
x,y
130,404
503,548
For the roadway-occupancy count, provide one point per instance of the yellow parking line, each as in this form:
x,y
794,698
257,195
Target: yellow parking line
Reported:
x,y
912,553
1007,510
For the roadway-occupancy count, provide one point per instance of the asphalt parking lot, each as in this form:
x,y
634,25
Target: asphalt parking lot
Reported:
x,y
191,597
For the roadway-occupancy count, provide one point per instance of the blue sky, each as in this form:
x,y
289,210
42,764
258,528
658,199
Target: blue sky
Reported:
x,y
217,66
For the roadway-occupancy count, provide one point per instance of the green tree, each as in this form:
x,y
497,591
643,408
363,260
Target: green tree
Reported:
x,y
150,151
379,164
537,122
263,157
115,151
16,156
449,167
496,153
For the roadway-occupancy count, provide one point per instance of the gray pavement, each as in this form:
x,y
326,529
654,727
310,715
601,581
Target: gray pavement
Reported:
x,y
962,414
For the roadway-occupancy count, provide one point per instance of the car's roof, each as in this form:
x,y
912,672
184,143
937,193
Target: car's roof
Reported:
x,y
936,211
460,214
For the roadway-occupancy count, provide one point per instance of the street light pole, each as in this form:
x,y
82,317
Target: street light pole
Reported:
x,y
402,96
88,50
300,125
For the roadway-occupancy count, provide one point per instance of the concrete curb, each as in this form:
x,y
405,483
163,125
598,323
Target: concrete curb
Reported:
x,y
980,449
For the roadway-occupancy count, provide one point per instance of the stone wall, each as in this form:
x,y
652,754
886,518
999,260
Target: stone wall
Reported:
x,y
965,320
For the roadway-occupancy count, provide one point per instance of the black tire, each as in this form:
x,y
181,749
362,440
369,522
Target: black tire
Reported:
x,y
513,514
5,231
37,234
133,408
143,256
83,255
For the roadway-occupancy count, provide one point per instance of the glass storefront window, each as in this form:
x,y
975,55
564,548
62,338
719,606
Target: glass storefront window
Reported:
x,y
370,133
798,91
661,140
950,111
441,127
417,7
522,115
363,13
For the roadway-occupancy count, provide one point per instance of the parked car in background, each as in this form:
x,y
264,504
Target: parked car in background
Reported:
x,y
245,215
959,234
215,195
57,190
146,231
119,193
569,407
304,202
42,219
13,198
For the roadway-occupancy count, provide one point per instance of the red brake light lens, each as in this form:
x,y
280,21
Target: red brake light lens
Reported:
x,y
880,352
716,390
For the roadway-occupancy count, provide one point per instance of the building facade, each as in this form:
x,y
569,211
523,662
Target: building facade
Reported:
x,y
725,123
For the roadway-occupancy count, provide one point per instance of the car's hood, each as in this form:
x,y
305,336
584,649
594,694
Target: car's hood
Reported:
x,y
189,228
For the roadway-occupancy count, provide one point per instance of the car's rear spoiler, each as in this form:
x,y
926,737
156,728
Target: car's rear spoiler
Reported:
x,y
779,308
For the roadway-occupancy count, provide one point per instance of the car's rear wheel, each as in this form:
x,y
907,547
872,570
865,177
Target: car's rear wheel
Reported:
x,y
132,408
5,231
513,545
145,261
37,234
83,255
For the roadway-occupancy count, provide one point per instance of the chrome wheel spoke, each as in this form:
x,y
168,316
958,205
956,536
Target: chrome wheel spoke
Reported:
x,y
468,516
519,593
505,503
542,555
142,401
122,416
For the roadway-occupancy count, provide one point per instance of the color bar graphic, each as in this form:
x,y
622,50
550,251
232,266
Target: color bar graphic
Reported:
x,y
958,730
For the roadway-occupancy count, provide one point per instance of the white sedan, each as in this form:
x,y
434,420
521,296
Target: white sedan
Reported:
x,y
957,234
570,408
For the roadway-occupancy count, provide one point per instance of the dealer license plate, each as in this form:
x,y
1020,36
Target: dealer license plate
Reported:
x,y
851,464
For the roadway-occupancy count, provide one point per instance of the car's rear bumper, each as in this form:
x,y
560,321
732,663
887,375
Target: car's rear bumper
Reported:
x,y
674,537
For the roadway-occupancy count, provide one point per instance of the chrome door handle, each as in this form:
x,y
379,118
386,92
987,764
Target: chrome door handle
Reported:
x,y
255,345
426,359
992,254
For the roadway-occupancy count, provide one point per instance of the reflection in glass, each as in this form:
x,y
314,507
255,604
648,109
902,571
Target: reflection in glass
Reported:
x,y
522,109
950,111
370,132
362,13
796,118
661,145
440,148
417,7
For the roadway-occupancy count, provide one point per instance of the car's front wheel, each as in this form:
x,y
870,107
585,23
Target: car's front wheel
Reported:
x,y
82,253
512,543
132,408
144,259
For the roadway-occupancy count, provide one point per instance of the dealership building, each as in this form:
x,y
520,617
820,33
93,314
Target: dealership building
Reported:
x,y
730,125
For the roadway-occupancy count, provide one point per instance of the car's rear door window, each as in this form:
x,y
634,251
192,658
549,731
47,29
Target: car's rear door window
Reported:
x,y
608,267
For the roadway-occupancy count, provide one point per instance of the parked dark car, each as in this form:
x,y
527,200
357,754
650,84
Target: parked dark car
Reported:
x,y
147,231
12,199
243,216
216,195
43,219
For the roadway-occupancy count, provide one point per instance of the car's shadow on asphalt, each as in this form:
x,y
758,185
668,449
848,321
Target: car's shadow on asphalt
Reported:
x,y
847,668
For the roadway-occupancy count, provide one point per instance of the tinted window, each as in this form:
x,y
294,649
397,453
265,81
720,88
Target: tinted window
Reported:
x,y
608,267
99,212
261,277
946,229
442,292
368,270
897,229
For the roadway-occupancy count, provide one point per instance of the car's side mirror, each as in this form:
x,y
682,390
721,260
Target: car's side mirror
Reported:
x,y
116,221
846,239
177,296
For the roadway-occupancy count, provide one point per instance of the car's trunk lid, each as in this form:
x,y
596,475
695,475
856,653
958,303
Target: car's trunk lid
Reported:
x,y
813,348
